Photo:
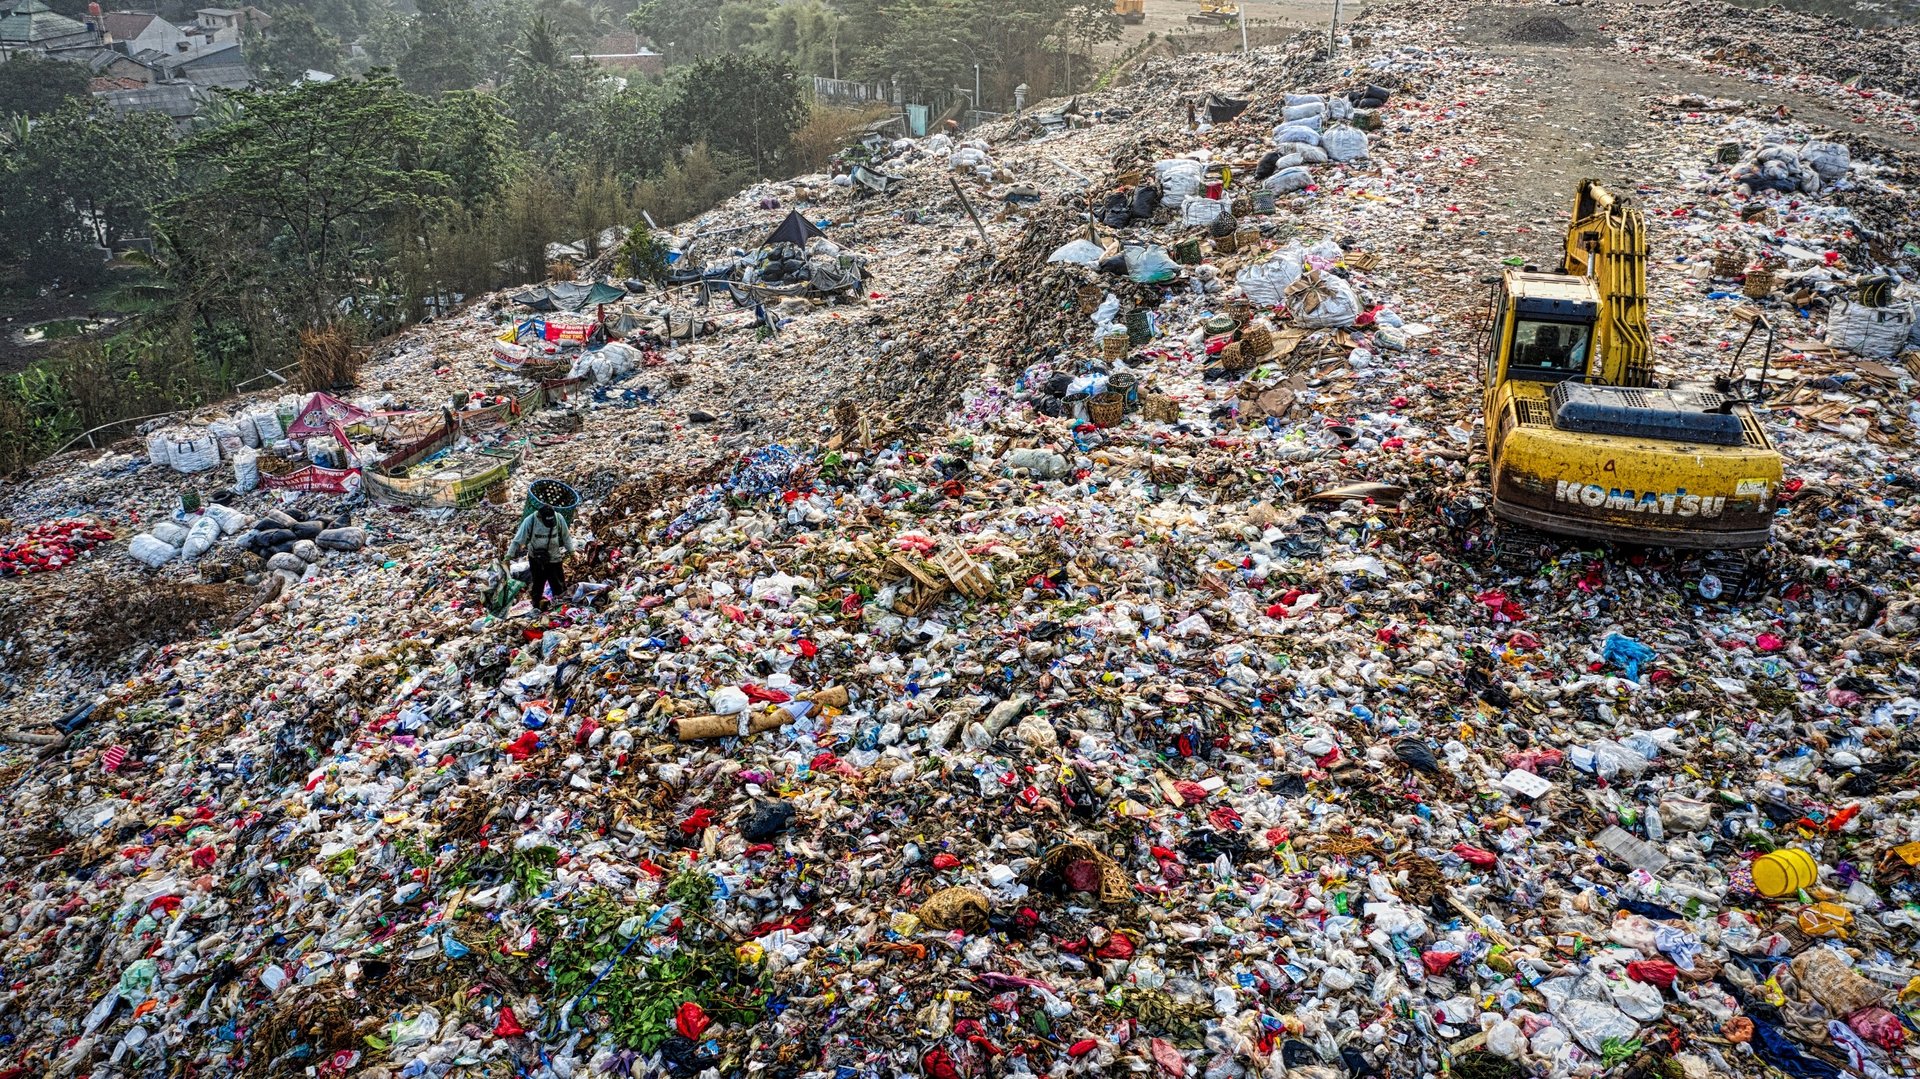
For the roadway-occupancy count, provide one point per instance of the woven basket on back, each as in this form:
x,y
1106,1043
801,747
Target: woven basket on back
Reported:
x,y
1107,410
1759,283
1256,342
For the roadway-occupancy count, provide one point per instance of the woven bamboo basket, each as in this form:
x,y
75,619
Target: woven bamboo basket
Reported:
x,y
1240,309
1226,245
1089,296
1224,225
1248,239
1139,326
1107,410
1115,346
1726,264
1257,341
1759,283
1242,206
1159,408
1234,358
1187,252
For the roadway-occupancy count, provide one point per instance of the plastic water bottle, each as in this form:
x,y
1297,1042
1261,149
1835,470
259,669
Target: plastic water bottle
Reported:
x,y
1656,831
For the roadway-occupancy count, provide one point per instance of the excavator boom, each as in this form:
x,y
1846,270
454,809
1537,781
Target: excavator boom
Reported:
x,y
1581,441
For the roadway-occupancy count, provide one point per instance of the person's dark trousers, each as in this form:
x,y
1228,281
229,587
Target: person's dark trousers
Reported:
x,y
542,573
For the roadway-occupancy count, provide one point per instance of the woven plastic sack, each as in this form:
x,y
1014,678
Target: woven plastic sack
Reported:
x,y
1320,300
1875,333
227,433
191,451
1315,109
246,470
200,538
1178,178
1289,180
232,521
170,533
1200,212
150,551
1825,975
1298,133
1344,143
159,449
268,428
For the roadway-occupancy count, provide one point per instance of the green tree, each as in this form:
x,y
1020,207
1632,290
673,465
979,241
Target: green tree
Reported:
x,y
630,131
34,86
107,170
442,53
744,105
470,140
319,172
1081,27
550,96
293,46
809,34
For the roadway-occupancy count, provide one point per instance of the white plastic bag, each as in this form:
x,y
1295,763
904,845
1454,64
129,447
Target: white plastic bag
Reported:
x,y
1344,143
171,533
1265,283
1082,252
150,551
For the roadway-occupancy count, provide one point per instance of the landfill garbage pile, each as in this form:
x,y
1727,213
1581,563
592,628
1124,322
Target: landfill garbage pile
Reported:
x,y
1135,694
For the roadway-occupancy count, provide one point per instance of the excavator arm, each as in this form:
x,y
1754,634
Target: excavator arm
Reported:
x,y
1607,242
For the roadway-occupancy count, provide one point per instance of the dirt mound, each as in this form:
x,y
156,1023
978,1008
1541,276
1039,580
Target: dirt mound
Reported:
x,y
1541,30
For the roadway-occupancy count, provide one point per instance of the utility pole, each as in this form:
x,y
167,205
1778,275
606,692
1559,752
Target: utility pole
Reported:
x,y
1243,26
976,87
1333,33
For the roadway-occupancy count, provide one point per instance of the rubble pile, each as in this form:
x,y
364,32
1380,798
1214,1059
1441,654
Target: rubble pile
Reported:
x,y
1078,652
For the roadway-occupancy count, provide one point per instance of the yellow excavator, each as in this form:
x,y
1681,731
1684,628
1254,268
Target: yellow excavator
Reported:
x,y
1215,12
1580,440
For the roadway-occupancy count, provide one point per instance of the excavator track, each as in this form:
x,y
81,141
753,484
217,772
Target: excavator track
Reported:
x,y
1726,576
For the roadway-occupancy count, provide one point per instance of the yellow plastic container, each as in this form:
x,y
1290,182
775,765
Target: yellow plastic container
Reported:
x,y
1784,872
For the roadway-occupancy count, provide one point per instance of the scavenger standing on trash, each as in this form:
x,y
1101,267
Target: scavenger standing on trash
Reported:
x,y
548,541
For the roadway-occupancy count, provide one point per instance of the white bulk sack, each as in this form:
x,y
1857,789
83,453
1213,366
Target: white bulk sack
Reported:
x,y
1874,333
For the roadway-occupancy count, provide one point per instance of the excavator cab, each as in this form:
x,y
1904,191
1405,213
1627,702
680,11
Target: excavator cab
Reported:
x,y
1580,440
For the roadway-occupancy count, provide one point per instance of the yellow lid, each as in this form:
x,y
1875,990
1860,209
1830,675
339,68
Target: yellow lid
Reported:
x,y
1771,877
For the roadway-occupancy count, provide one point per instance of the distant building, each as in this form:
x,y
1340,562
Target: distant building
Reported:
x,y
205,66
228,24
175,100
142,31
622,52
31,26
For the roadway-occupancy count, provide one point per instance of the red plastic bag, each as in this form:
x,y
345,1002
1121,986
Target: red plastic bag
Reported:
x,y
691,1020
1879,1026
1653,972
